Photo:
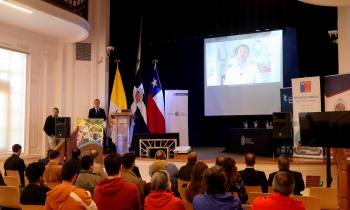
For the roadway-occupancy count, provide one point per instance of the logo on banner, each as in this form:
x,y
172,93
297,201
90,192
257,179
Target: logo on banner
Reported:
x,y
305,86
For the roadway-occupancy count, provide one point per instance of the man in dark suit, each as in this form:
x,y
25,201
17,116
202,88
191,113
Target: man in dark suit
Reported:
x,y
97,112
14,162
252,177
283,165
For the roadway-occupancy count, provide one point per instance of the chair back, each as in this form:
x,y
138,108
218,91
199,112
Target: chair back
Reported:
x,y
13,173
253,195
310,202
328,197
9,197
188,205
313,181
11,181
253,188
181,187
248,207
32,207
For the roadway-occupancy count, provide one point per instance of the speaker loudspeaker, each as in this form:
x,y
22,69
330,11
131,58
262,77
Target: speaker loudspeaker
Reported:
x,y
62,127
282,125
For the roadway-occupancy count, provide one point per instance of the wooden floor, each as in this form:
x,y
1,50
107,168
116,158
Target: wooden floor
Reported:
x,y
267,164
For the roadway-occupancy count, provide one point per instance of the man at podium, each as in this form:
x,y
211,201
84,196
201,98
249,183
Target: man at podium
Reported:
x,y
97,112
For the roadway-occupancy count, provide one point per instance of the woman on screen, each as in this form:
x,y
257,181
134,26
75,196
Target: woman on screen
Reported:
x,y
239,70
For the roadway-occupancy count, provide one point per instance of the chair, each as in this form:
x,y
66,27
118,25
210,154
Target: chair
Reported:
x,y
9,197
188,205
313,181
181,187
310,202
253,195
13,173
253,188
11,181
328,197
248,207
270,189
32,207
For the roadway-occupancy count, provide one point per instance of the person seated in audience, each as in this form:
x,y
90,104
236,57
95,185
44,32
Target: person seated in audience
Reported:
x,y
234,180
283,165
86,178
114,192
53,169
14,162
161,197
2,182
46,160
186,170
283,185
128,162
35,192
252,177
76,157
66,195
171,168
220,160
215,197
196,185
98,169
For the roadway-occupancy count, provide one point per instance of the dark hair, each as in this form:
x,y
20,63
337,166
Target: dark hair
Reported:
x,y
86,162
69,170
220,160
76,153
283,182
214,180
34,171
196,185
54,154
283,163
192,157
160,155
128,160
112,164
249,159
48,152
55,108
230,170
16,148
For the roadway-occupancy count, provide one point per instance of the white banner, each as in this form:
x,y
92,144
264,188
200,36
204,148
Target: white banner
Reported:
x,y
176,114
306,98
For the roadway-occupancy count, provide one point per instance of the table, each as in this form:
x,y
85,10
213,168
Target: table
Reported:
x,y
256,140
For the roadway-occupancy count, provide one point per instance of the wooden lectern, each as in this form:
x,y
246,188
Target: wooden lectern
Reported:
x,y
120,132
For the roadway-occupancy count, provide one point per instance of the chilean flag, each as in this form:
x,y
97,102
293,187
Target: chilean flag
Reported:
x,y
155,105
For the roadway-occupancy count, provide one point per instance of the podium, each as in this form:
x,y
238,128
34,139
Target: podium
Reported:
x,y
120,122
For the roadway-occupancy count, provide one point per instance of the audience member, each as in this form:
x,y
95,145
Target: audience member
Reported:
x,y
98,169
128,162
14,162
115,191
53,169
252,177
196,185
160,197
215,196
283,165
220,160
283,185
186,170
35,192
45,160
234,180
76,157
2,182
86,178
68,196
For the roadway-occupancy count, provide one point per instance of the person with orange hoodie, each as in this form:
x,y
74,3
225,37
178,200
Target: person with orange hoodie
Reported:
x,y
66,195
161,197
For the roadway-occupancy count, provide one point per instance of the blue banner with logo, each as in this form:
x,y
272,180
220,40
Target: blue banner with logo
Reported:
x,y
286,99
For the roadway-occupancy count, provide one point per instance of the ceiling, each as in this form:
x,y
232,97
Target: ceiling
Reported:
x,y
45,19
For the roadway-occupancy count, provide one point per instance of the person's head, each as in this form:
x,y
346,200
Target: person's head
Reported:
x,y
242,53
229,166
76,153
128,161
283,163
87,162
70,171
214,180
160,155
54,155
17,149
112,164
48,153
34,172
160,181
55,112
250,159
192,157
283,182
97,103
94,153
197,172
220,160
